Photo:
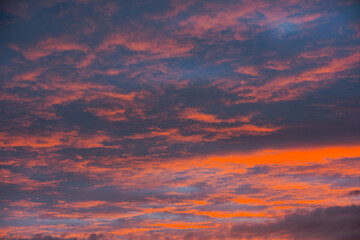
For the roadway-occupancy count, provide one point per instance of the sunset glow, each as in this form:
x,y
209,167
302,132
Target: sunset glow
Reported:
x,y
177,120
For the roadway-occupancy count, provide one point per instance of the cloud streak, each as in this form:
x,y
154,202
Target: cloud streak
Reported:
x,y
179,120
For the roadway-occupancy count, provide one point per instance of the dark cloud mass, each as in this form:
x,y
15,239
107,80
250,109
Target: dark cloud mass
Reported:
x,y
335,223
354,193
179,119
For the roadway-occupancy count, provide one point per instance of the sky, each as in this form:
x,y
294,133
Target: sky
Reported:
x,y
172,119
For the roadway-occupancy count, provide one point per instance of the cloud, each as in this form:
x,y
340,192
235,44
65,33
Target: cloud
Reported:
x,y
250,70
157,46
179,119
53,139
335,223
354,193
50,46
322,223
92,236
24,182
295,86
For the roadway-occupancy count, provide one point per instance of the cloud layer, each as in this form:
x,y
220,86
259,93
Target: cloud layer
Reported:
x,y
179,120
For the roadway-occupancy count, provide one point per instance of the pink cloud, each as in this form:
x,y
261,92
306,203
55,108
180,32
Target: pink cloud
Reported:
x,y
160,47
50,46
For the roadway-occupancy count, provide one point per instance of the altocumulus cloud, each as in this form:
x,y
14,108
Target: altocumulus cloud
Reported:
x,y
332,223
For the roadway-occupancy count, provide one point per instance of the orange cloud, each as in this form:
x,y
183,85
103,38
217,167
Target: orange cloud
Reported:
x,y
160,47
53,139
282,189
23,181
249,70
52,45
293,156
30,75
194,114
312,79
